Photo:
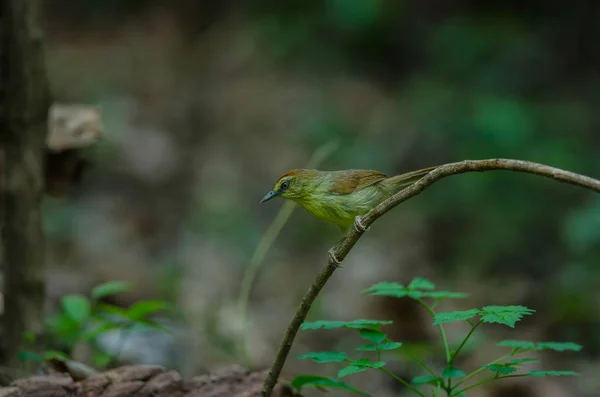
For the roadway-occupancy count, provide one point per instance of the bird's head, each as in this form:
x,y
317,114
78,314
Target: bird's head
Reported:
x,y
292,185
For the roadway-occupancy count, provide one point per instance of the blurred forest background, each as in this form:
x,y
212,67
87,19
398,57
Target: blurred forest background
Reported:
x,y
206,103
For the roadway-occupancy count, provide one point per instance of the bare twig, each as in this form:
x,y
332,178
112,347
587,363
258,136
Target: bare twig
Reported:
x,y
344,247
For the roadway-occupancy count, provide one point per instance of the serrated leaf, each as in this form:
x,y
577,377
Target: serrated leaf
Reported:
x,y
140,310
77,307
506,315
360,324
445,295
110,288
421,283
427,379
517,344
552,373
559,346
355,324
461,315
451,372
503,369
417,289
359,366
384,285
383,346
372,335
325,357
301,381
520,361
322,324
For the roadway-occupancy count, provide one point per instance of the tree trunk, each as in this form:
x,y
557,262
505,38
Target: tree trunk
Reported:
x,y
24,104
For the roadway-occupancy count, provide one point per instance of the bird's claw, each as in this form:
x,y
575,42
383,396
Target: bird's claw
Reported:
x,y
358,226
333,259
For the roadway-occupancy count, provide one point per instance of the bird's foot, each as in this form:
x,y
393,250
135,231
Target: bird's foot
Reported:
x,y
358,226
333,259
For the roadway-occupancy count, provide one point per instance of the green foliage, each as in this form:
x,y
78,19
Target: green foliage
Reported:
x,y
325,357
453,381
356,324
527,345
323,383
84,319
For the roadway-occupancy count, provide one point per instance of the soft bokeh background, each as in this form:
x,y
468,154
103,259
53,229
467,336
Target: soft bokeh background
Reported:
x,y
206,103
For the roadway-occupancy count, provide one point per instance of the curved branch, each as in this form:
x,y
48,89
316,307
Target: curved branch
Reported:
x,y
342,249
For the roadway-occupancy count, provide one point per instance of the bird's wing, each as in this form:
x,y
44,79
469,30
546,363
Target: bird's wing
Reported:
x,y
348,181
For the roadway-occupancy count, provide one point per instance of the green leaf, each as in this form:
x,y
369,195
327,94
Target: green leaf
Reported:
x,y
51,354
383,346
140,310
506,315
503,369
428,379
461,315
325,357
384,285
356,324
110,288
321,382
559,346
520,361
111,309
445,295
418,288
552,373
372,335
359,366
524,344
421,283
517,344
98,330
360,324
451,372
30,356
77,307
102,359
322,324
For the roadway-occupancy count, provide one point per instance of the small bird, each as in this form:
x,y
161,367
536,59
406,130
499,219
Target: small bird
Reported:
x,y
341,197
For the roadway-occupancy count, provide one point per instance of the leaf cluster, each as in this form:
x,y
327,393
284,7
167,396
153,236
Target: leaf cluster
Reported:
x,y
86,319
453,381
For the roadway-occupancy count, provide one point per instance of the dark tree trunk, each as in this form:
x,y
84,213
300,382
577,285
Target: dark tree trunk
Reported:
x,y
24,104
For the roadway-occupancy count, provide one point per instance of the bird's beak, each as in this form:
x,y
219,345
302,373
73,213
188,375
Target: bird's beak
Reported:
x,y
269,196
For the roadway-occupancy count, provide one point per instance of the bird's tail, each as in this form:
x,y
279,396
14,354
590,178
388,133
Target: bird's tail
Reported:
x,y
401,181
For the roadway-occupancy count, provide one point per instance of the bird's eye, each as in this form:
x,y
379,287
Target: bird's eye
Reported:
x,y
285,185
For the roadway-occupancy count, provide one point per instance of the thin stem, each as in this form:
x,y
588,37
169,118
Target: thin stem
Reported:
x,y
484,381
420,363
405,383
440,327
341,250
473,328
483,368
378,354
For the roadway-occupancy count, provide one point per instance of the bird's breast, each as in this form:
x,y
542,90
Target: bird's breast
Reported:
x,y
341,209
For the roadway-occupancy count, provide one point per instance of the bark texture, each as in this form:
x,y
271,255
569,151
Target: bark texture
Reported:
x,y
146,381
24,104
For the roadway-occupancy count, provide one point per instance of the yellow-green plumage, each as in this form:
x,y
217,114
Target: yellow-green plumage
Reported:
x,y
339,196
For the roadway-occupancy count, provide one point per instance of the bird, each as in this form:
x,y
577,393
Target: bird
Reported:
x,y
341,197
